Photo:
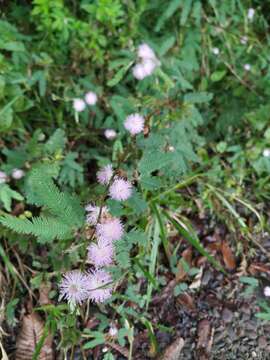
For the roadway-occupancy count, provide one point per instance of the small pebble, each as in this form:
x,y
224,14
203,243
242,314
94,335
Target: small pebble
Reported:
x,y
262,342
227,315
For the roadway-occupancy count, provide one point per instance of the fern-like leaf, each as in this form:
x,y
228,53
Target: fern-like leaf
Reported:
x,y
44,228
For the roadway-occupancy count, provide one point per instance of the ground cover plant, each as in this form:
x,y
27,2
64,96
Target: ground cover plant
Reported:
x,y
134,179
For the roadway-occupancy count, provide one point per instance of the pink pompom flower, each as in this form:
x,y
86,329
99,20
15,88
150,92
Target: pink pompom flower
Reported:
x,y
110,134
105,174
120,189
101,253
134,123
3,177
93,213
139,72
144,69
146,52
111,230
79,105
73,287
17,174
91,98
99,286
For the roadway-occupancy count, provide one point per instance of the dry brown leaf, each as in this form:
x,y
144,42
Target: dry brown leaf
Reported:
x,y
123,351
228,257
29,336
196,283
44,292
3,352
258,267
173,351
205,339
186,301
242,269
187,256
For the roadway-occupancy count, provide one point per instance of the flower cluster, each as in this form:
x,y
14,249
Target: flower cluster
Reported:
x,y
90,99
147,64
95,285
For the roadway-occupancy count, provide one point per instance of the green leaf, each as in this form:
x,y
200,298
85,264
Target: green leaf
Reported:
x,y
198,97
170,10
119,75
98,340
185,12
137,203
218,75
249,280
7,194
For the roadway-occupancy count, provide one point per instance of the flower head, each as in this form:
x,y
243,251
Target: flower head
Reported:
x,y
266,291
110,230
244,40
105,174
78,105
247,67
145,52
110,134
93,213
250,14
17,174
144,69
134,123
266,152
73,287
99,286
120,189
101,253
138,72
215,51
3,177
91,98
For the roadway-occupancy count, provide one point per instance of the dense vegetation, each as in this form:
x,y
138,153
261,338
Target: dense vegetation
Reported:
x,y
194,162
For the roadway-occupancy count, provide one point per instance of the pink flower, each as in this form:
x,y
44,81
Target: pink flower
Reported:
x,y
93,213
17,174
144,69
110,134
91,98
3,177
105,174
101,254
138,72
120,189
145,52
134,123
78,105
111,230
73,287
266,291
99,286
250,14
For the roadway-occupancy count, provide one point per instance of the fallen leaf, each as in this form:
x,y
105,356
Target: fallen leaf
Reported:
x,y
228,257
3,352
44,292
186,301
242,269
173,351
29,336
187,256
196,283
205,339
258,267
